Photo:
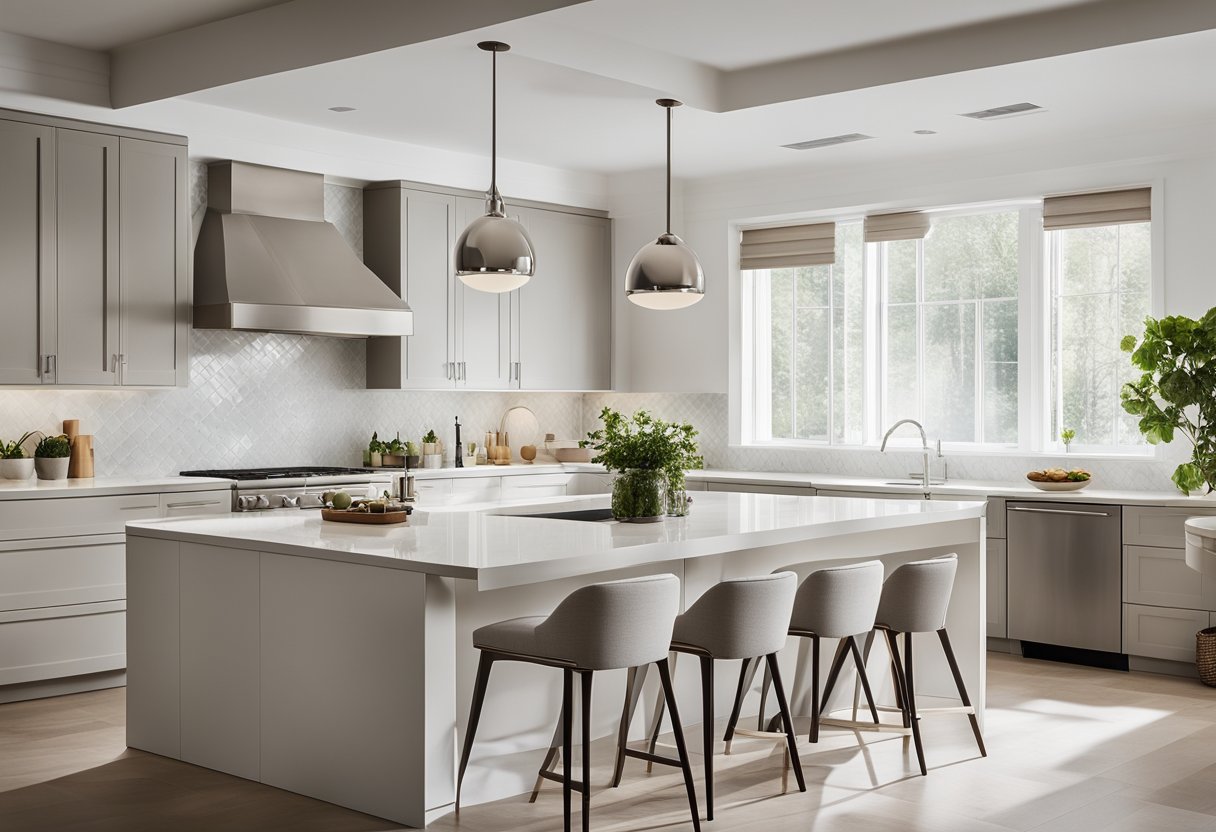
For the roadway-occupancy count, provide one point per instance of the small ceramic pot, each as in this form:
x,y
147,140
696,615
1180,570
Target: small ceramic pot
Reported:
x,y
413,461
470,461
374,461
432,461
17,469
392,460
430,448
52,468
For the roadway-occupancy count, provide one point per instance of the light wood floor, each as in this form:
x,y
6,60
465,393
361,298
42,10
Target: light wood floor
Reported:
x,y
1071,749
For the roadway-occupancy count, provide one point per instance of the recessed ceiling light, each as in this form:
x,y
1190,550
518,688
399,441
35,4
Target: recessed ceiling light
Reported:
x,y
342,109
925,132
829,141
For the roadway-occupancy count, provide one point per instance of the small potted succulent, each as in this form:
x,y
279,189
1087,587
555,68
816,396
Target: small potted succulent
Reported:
x,y
413,456
374,455
14,464
51,457
432,451
394,453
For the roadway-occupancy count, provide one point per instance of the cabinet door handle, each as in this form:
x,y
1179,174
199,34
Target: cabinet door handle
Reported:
x,y
193,504
48,366
447,369
136,508
1060,511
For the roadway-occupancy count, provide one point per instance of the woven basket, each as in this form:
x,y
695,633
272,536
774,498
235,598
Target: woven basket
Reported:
x,y
1205,655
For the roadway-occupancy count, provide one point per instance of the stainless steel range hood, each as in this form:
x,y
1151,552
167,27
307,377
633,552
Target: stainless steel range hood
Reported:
x,y
266,260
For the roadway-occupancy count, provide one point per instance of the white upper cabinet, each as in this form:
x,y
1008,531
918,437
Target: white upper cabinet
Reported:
x,y
93,227
27,222
564,319
552,334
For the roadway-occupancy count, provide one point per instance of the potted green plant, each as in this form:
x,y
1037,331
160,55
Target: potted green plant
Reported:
x,y
374,455
649,457
1066,436
413,457
394,453
51,457
432,451
1176,392
14,464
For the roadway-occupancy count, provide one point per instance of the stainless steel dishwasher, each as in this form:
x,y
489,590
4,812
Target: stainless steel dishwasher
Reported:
x,y
1065,574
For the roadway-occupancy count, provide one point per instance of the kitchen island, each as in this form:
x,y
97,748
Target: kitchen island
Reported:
x,y
335,660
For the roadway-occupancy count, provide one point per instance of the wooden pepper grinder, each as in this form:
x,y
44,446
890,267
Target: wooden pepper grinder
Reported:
x,y
80,465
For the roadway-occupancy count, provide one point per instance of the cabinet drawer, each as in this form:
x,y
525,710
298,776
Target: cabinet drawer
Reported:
x,y
475,489
997,583
868,495
1158,526
195,503
754,488
90,638
73,516
534,485
57,572
1158,576
1161,633
436,491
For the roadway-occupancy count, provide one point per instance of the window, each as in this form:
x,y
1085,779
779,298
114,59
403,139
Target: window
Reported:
x,y
950,332
994,334
1100,291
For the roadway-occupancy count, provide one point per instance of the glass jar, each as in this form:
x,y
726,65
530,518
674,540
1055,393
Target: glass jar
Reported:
x,y
677,497
639,495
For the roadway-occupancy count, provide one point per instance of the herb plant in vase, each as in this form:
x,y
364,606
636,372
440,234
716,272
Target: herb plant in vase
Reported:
x,y
374,455
1176,392
649,457
14,464
51,457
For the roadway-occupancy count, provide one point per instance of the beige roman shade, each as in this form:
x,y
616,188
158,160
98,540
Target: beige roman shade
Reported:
x,y
907,225
1104,208
790,245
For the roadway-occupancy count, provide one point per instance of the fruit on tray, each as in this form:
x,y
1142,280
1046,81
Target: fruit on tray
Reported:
x,y
1059,475
340,500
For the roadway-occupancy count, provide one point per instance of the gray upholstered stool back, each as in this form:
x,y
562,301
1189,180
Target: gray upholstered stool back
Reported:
x,y
740,618
916,596
614,624
839,601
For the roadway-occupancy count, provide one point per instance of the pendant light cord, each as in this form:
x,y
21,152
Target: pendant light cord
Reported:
x,y
494,122
668,170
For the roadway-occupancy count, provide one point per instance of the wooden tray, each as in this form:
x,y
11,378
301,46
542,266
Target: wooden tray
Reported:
x,y
343,516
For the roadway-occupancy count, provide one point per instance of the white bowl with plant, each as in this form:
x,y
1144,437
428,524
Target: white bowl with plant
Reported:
x,y
14,463
51,457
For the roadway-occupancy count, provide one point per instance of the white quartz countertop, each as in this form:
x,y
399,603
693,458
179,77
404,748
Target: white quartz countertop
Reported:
x,y
498,544
34,488
955,489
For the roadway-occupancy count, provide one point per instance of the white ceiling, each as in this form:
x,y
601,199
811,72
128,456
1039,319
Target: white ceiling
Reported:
x,y
438,94
105,24
743,33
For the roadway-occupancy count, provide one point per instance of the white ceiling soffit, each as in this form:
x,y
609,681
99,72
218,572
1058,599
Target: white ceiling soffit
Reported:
x,y
292,35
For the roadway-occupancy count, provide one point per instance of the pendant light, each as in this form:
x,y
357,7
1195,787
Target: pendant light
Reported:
x,y
494,254
665,274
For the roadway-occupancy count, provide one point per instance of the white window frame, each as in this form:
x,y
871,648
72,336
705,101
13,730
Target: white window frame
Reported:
x,y
1034,334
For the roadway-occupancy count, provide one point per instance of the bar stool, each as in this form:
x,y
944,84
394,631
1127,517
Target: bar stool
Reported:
x,y
605,626
915,599
838,602
735,619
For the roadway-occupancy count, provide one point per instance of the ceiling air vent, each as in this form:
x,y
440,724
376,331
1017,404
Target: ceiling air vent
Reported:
x,y
1004,112
828,142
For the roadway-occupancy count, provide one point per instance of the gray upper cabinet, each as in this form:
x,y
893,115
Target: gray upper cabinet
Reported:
x,y
87,289
564,322
553,334
94,228
154,273
27,222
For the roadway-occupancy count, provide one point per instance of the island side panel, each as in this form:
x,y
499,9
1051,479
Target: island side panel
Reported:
x,y
153,659
220,655
343,684
440,747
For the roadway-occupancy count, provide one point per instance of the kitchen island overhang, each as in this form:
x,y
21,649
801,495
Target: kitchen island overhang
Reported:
x,y
263,646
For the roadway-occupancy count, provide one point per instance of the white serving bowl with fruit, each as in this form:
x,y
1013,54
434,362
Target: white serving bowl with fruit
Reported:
x,y
1059,479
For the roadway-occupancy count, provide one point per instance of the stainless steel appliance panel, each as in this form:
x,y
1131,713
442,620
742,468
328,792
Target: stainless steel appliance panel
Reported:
x,y
1065,570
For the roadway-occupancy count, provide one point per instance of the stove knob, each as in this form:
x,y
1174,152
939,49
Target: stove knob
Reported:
x,y
283,501
252,502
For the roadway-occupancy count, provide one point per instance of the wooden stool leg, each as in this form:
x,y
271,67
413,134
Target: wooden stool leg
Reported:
x,y
567,730
657,720
910,693
586,703
962,689
633,693
484,664
740,691
707,731
764,686
669,695
790,739
815,706
865,680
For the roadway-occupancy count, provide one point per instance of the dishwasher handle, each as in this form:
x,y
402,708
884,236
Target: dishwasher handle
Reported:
x,y
1060,511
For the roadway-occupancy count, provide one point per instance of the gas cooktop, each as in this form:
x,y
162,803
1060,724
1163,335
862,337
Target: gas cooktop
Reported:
x,y
247,474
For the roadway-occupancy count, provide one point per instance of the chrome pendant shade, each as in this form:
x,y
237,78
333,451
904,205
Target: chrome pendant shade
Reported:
x,y
494,254
665,274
